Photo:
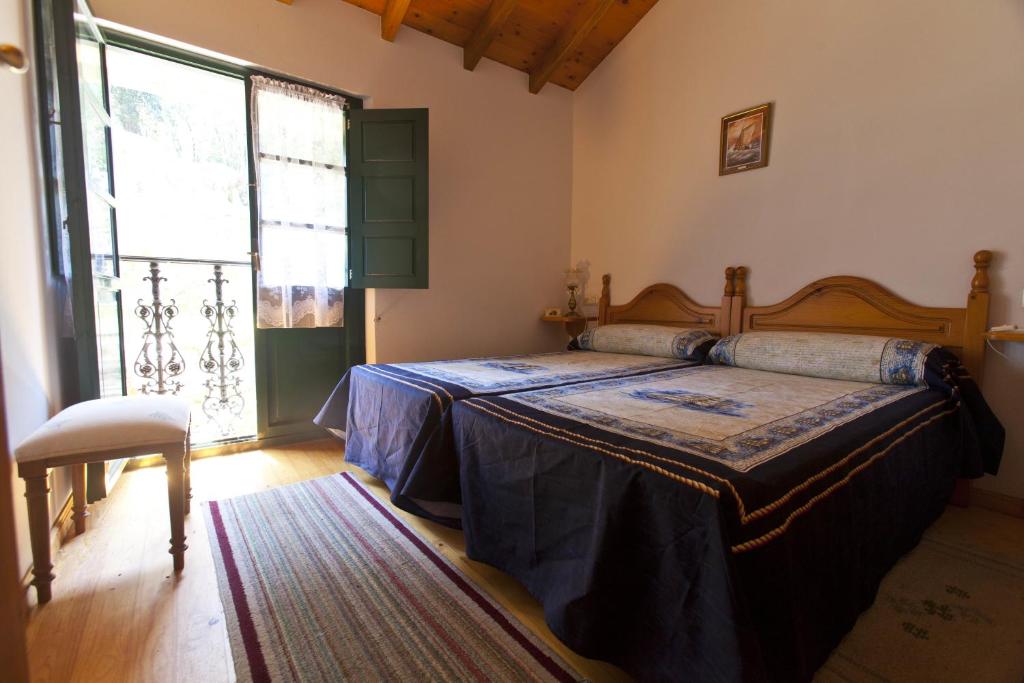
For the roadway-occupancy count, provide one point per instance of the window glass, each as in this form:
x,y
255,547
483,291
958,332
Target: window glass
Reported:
x,y
182,164
300,156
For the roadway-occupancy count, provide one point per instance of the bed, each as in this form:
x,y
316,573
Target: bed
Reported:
x,y
729,522
396,418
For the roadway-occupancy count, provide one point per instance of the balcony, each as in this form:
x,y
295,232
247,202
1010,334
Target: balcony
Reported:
x,y
188,332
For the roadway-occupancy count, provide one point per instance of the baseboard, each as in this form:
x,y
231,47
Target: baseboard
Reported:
x,y
998,502
310,435
63,527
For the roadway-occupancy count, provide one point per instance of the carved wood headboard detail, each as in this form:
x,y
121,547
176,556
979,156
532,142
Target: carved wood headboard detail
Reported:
x,y
664,304
854,305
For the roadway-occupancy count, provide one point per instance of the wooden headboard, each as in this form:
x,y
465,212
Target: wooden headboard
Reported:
x,y
664,304
854,305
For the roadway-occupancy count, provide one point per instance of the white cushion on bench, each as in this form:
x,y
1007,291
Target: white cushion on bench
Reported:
x,y
108,424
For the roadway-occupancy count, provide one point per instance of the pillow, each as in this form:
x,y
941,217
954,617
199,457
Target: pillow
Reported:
x,y
646,340
854,357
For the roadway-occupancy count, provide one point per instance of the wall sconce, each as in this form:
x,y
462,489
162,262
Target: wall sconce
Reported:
x,y
13,58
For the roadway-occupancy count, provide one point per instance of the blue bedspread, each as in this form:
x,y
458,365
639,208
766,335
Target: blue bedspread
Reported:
x,y
397,418
712,523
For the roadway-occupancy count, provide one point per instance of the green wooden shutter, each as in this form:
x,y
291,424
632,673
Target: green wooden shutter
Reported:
x,y
387,198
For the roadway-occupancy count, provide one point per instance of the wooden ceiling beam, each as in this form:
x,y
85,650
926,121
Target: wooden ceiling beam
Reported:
x,y
585,21
391,19
486,32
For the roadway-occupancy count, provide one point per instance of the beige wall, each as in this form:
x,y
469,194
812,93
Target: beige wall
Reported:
x,y
500,163
27,333
897,153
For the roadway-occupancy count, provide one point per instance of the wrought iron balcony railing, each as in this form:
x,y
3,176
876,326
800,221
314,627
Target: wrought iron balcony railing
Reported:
x,y
218,383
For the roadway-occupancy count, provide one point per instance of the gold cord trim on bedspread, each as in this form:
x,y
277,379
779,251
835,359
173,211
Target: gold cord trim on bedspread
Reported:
x,y
703,488
771,507
720,480
781,529
604,447
392,373
434,394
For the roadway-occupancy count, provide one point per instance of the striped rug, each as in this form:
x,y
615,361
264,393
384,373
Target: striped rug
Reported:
x,y
321,582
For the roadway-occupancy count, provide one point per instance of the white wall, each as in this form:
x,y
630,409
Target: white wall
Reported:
x,y
27,333
500,163
897,153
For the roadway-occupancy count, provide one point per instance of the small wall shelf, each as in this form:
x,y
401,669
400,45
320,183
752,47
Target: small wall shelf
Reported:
x,y
1006,335
574,325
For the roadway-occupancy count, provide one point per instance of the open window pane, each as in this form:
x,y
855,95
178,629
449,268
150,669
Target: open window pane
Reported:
x,y
99,217
97,164
101,235
90,67
108,338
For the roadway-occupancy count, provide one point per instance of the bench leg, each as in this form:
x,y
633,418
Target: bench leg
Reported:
x,y
36,491
176,502
78,505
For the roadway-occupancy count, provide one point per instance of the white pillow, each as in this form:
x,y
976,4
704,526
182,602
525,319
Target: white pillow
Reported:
x,y
647,340
855,357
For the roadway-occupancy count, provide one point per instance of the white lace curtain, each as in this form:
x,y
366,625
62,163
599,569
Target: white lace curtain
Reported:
x,y
299,138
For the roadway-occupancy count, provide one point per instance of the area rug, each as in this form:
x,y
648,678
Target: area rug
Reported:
x,y
948,611
321,582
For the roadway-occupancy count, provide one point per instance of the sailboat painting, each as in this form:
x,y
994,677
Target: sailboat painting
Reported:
x,y
745,138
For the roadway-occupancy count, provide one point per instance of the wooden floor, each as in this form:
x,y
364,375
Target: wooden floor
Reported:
x,y
119,614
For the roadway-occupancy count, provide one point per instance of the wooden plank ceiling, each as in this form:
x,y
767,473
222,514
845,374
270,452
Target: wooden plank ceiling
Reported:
x,y
557,41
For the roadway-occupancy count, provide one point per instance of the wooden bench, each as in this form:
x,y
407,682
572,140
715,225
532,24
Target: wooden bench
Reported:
x,y
96,431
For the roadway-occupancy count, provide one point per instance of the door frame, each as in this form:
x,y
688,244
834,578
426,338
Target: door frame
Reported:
x,y
13,614
353,334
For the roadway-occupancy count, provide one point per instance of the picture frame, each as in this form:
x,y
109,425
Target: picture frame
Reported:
x,y
746,140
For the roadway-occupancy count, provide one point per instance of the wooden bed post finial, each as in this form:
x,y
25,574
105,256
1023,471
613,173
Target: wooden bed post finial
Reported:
x,y
973,351
725,323
606,299
982,260
738,300
741,281
976,321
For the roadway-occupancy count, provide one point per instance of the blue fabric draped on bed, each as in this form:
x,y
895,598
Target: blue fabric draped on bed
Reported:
x,y
397,418
713,523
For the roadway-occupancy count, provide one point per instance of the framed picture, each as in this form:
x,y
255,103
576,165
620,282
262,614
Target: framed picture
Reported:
x,y
745,140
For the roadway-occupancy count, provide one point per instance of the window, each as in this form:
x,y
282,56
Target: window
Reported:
x,y
181,168
299,138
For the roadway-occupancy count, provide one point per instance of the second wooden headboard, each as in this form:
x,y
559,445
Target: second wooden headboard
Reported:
x,y
855,305
664,304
